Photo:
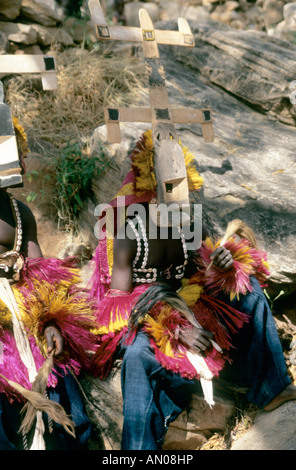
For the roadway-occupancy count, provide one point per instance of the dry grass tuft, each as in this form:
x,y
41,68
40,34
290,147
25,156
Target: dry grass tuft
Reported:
x,y
88,81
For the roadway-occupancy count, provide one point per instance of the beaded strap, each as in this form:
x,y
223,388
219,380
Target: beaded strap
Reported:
x,y
14,253
181,269
151,273
148,271
138,239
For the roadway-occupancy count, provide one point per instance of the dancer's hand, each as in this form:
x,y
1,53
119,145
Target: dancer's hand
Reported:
x,y
222,258
196,338
54,340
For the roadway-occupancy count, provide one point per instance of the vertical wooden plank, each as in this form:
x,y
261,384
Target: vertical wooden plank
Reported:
x,y
150,47
113,132
207,131
112,117
49,81
96,12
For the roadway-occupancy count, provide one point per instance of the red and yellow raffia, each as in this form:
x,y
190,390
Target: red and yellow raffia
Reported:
x,y
163,322
48,294
111,325
247,261
162,325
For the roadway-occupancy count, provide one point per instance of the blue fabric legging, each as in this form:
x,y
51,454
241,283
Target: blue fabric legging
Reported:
x,y
153,397
66,393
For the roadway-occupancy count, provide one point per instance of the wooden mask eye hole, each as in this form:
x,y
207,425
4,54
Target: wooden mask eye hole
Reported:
x,y
169,187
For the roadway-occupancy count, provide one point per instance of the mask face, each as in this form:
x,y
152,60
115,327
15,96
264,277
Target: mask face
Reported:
x,y
10,165
172,186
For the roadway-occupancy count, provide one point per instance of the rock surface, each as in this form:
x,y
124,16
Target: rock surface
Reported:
x,y
247,64
10,9
255,177
271,431
40,11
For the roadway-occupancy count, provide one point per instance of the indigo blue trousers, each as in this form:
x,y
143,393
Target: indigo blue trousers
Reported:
x,y
153,397
66,393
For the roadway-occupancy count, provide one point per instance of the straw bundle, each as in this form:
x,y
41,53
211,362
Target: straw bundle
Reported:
x,y
88,81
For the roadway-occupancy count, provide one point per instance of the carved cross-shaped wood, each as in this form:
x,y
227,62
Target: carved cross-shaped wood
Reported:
x,y
31,63
159,114
10,168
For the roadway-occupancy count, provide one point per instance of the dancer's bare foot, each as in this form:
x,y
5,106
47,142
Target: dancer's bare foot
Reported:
x,y
289,393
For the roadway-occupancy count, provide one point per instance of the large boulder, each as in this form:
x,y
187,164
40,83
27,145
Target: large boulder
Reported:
x,y
271,431
247,64
19,33
41,11
10,9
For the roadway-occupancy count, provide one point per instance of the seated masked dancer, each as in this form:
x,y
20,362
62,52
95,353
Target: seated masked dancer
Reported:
x,y
179,315
45,324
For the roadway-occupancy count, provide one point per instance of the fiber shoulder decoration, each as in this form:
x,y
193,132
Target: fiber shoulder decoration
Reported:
x,y
247,262
161,320
112,325
163,313
46,294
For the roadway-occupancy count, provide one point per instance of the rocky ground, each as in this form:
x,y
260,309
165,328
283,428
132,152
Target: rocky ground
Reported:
x,y
243,66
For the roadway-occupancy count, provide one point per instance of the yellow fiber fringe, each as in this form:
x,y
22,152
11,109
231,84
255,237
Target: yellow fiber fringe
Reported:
x,y
21,137
190,292
159,332
142,160
46,298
